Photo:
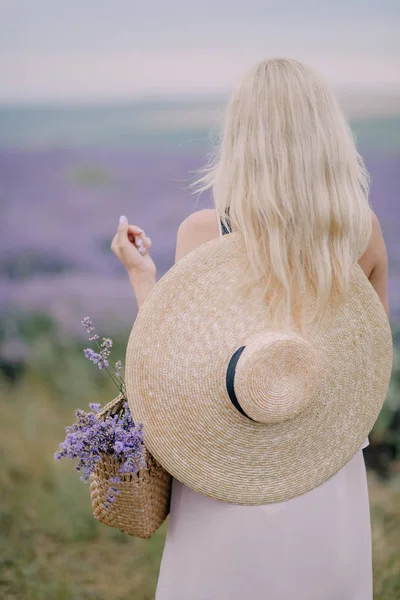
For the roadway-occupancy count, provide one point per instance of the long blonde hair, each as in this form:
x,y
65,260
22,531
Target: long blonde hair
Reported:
x,y
288,171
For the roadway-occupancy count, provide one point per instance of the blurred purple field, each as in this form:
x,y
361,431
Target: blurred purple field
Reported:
x,y
60,209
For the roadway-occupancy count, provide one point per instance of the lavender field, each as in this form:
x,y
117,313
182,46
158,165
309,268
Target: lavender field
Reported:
x,y
67,175
61,209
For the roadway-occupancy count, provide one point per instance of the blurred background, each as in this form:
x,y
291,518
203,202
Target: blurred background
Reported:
x,y
108,109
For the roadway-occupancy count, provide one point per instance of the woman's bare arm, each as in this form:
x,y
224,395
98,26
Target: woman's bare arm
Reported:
x,y
374,263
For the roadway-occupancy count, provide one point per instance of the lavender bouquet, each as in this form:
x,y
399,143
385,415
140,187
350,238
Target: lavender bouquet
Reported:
x,y
100,434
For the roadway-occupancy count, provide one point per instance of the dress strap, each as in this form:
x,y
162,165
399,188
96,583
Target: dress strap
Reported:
x,y
223,228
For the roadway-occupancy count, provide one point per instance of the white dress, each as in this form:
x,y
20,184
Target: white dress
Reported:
x,y
313,547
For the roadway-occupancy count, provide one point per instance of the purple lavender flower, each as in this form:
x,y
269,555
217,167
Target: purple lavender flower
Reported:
x,y
95,357
101,358
89,438
106,344
88,326
119,447
118,367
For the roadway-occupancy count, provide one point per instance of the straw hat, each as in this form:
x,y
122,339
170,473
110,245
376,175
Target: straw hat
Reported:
x,y
241,413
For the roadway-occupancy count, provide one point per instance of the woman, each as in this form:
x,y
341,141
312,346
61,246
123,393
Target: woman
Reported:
x,y
288,177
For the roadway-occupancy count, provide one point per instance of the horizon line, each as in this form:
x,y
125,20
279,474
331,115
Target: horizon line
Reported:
x,y
173,98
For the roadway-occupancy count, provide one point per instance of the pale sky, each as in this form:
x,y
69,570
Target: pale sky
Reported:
x,y
99,50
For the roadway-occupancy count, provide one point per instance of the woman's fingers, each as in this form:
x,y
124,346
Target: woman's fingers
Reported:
x,y
130,244
143,244
135,229
136,234
139,238
130,233
124,229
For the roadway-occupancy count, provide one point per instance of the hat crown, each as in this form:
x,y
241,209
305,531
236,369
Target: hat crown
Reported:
x,y
276,376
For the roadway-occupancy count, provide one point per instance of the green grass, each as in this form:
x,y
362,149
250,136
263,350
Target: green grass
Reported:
x,y
51,547
385,518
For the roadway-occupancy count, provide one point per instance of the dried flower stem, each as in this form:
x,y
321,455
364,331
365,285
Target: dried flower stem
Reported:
x,y
119,386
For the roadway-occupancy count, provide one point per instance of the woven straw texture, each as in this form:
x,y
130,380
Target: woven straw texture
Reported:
x,y
143,501
177,355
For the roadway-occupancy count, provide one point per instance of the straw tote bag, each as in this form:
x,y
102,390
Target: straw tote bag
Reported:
x,y
143,502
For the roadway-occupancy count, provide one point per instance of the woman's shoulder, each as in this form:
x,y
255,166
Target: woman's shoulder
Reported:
x,y
201,219
375,251
374,261
197,229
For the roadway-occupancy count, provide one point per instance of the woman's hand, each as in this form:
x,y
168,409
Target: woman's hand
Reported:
x,y
131,245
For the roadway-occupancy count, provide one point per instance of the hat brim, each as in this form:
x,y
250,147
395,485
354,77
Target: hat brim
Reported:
x,y
176,360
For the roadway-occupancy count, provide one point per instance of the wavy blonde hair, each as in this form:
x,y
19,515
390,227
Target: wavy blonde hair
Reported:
x,y
288,171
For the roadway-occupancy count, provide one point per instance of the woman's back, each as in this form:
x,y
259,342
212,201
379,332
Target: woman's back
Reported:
x,y
204,225
312,547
